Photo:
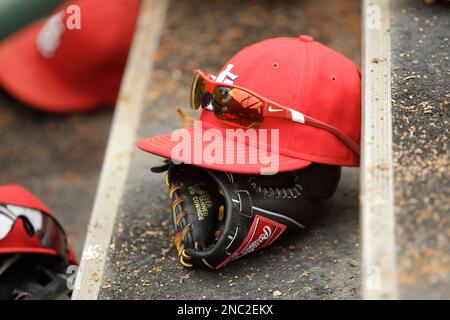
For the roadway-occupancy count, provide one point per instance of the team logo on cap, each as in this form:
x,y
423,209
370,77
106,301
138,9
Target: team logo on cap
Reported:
x,y
226,76
49,38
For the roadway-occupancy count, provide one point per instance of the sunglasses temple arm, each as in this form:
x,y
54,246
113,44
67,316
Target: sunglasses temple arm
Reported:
x,y
297,116
318,124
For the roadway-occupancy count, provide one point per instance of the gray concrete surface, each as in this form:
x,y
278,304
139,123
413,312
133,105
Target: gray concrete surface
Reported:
x,y
58,158
420,110
321,263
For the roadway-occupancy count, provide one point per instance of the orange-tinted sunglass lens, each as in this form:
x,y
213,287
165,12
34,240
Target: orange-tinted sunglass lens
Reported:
x,y
238,107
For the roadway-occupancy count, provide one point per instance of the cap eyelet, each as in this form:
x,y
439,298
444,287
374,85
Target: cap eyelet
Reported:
x,y
333,78
275,65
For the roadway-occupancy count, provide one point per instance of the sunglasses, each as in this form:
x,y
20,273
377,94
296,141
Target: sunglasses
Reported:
x,y
48,231
241,107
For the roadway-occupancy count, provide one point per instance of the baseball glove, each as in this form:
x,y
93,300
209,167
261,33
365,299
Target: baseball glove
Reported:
x,y
220,216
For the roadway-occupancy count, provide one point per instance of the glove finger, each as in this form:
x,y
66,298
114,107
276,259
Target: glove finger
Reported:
x,y
197,206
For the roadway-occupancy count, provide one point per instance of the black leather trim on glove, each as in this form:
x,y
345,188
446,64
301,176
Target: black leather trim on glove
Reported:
x,y
219,216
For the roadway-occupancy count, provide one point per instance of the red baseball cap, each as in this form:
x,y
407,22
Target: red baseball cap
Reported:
x,y
18,240
298,73
67,65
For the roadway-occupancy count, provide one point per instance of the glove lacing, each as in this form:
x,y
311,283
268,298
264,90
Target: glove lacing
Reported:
x,y
180,236
277,192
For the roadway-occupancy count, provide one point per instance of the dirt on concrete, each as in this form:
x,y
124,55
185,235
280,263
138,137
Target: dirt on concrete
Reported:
x,y
323,262
58,158
421,113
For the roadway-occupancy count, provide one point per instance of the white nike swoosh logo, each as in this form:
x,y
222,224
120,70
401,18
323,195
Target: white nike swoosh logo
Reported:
x,y
274,110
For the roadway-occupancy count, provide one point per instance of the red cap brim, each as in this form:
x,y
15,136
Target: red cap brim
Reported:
x,y
25,75
29,250
163,145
